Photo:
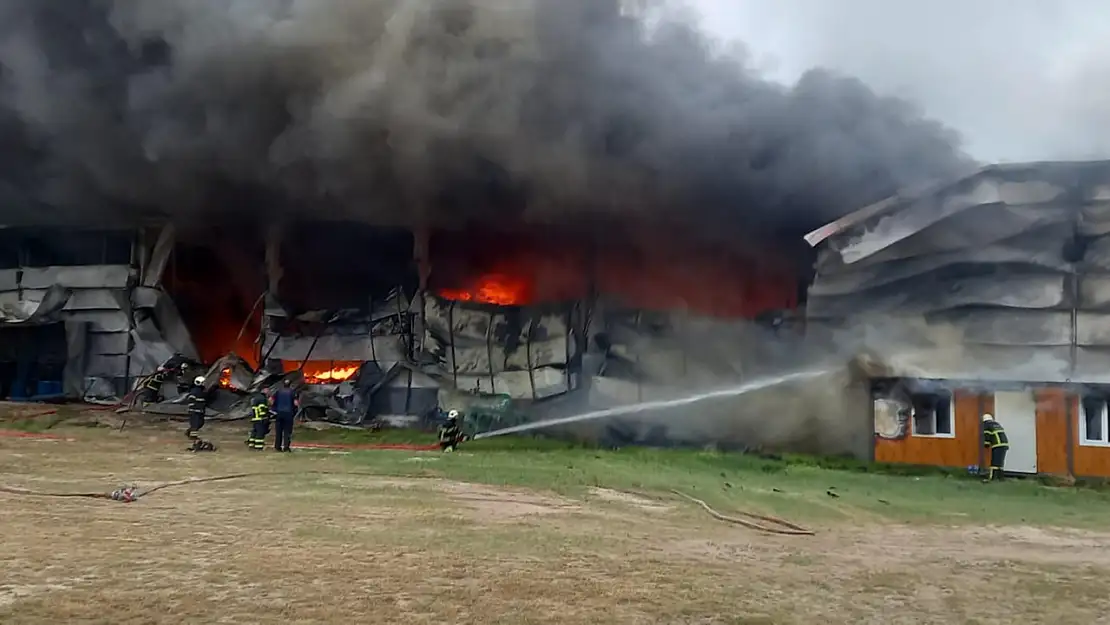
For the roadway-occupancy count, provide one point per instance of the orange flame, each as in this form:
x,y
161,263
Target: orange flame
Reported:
x,y
337,374
225,378
325,371
494,288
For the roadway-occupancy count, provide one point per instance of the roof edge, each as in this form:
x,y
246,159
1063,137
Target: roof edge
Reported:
x,y
914,194
904,196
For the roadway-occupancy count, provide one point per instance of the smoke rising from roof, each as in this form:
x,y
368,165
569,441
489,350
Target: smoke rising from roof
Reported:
x,y
408,111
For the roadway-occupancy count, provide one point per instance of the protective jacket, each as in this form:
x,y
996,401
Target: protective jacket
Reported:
x,y
994,435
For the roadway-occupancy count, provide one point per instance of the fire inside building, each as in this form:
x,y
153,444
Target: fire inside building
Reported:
x,y
986,294
391,324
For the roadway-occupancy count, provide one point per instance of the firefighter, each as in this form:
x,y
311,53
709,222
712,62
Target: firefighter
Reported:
x,y
152,388
285,404
995,441
260,422
198,405
182,378
450,434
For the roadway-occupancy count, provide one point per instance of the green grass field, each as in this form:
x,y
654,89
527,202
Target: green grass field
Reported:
x,y
790,485
521,530
804,486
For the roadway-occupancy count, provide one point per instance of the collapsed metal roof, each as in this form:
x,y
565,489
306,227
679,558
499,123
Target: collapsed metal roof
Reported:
x,y
1005,271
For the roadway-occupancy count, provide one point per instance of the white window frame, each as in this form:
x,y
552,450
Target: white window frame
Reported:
x,y
951,417
1083,440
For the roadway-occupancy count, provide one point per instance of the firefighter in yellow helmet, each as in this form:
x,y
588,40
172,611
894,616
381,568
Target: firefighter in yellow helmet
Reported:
x,y
996,444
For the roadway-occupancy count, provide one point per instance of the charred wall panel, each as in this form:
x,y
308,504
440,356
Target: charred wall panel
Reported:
x,y
377,334
344,347
520,352
9,280
410,393
960,450
85,280
1006,270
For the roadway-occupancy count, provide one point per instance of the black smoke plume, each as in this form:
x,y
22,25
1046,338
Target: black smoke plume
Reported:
x,y
426,111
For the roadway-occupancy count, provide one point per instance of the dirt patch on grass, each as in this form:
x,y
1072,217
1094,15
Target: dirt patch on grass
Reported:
x,y
297,547
481,503
498,504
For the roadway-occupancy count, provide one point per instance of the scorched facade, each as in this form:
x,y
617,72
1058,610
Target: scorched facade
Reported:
x,y
988,294
396,323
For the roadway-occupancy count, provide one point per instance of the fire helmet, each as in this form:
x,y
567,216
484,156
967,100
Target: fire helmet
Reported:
x,y
199,380
988,417
452,415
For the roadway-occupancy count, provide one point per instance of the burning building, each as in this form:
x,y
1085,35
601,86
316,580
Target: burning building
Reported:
x,y
458,317
415,205
394,321
986,294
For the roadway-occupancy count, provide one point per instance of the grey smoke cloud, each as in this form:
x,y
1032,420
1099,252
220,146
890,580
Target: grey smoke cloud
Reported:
x,y
1022,80
410,110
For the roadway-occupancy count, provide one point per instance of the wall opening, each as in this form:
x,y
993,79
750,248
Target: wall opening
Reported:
x,y
334,266
1093,426
932,414
215,283
324,371
10,244
32,360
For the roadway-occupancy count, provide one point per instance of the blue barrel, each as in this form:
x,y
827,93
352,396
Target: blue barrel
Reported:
x,y
48,388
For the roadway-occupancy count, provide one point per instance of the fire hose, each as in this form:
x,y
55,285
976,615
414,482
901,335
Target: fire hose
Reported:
x,y
785,527
129,494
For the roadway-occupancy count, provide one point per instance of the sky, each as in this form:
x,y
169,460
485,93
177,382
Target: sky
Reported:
x,y
1022,80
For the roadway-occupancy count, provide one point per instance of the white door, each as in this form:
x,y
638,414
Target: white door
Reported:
x,y
1017,412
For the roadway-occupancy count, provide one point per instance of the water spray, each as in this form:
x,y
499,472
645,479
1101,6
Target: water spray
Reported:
x,y
733,391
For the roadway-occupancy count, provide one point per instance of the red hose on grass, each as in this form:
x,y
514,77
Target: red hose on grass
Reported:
x,y
32,435
368,446
335,446
35,415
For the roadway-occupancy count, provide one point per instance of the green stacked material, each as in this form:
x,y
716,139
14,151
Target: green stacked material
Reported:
x,y
491,412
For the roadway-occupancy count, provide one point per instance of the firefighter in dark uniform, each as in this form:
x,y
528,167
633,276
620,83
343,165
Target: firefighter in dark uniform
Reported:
x,y
152,388
198,405
260,422
996,443
450,434
176,369
182,378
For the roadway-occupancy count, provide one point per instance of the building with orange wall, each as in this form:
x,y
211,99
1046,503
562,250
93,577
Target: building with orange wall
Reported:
x,y
990,293
1053,430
